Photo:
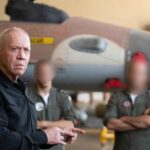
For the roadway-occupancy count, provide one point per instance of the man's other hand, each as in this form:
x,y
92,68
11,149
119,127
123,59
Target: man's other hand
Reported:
x,y
71,134
55,136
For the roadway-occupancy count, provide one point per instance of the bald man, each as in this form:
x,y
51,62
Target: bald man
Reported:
x,y
17,115
127,111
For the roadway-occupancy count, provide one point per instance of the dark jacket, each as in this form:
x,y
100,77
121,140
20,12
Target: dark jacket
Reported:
x,y
17,118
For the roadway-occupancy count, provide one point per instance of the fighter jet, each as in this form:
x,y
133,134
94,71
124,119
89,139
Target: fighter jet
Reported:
x,y
86,53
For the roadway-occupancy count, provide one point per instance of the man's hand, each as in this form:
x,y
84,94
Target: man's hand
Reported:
x,y
59,136
55,135
75,132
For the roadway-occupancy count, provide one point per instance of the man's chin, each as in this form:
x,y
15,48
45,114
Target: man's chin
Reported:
x,y
19,72
45,85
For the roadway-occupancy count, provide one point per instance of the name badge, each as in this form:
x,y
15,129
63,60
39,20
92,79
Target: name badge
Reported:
x,y
127,104
39,106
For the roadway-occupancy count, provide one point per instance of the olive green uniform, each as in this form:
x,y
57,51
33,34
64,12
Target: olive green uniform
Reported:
x,y
121,105
58,107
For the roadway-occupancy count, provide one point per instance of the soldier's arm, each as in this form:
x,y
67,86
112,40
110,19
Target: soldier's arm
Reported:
x,y
60,124
68,119
138,121
67,111
118,125
111,117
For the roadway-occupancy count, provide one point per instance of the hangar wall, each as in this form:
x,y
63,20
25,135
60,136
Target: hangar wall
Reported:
x,y
2,10
128,13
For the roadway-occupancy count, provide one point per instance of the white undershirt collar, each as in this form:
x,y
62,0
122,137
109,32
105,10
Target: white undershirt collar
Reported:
x,y
133,97
45,98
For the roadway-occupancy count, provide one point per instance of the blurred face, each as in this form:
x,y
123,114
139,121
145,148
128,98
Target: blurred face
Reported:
x,y
138,75
15,54
45,74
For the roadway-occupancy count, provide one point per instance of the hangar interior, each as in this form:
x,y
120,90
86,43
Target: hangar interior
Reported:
x,y
90,43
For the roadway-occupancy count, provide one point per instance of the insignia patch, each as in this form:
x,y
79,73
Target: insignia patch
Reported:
x,y
127,104
39,106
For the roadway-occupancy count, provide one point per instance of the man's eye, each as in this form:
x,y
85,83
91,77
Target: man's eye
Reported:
x,y
14,48
27,50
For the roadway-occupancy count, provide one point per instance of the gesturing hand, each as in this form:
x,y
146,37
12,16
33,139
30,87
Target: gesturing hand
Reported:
x,y
71,134
55,136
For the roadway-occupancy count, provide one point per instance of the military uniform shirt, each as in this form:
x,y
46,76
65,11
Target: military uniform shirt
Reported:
x,y
121,105
58,107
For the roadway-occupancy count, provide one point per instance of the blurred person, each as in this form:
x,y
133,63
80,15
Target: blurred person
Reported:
x,y
18,129
53,106
127,111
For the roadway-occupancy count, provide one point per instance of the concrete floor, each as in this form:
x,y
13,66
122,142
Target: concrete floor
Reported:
x,y
89,141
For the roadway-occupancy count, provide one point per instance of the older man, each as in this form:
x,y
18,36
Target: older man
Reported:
x,y
128,110
53,107
17,116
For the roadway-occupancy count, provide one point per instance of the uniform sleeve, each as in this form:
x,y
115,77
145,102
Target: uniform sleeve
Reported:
x,y
112,109
12,140
68,112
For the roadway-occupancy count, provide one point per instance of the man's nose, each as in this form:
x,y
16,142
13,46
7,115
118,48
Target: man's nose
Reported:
x,y
21,54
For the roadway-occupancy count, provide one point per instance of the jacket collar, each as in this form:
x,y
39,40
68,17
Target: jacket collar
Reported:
x,y
7,82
